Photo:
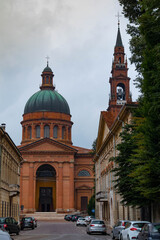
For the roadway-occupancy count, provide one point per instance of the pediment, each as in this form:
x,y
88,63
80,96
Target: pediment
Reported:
x,y
105,122
47,145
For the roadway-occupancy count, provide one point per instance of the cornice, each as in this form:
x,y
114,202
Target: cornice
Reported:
x,y
46,152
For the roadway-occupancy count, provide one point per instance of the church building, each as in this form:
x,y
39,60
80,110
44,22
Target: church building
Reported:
x,y
55,174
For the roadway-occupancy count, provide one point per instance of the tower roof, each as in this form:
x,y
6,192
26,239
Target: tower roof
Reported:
x,y
119,39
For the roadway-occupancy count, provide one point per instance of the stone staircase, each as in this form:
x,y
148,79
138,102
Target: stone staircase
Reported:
x,y
46,216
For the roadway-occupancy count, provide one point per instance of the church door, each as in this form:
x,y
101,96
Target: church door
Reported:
x,y
84,203
45,199
45,196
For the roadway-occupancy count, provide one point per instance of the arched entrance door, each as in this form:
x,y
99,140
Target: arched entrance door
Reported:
x,y
45,188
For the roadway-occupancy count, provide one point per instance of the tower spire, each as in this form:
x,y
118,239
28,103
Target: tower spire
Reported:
x,y
119,39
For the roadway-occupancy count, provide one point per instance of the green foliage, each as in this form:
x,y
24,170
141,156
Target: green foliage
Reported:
x,y
91,205
94,146
125,184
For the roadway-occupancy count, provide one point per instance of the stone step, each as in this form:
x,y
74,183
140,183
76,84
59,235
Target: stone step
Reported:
x,y
46,215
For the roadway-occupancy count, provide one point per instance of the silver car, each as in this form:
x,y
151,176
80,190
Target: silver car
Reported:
x,y
117,229
96,226
81,222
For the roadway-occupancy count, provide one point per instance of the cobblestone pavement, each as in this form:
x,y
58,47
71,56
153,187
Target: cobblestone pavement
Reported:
x,y
50,230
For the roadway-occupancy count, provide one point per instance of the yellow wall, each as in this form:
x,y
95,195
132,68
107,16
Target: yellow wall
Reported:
x,y
51,184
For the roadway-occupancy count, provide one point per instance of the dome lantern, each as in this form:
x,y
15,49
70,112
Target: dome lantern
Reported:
x,y
47,78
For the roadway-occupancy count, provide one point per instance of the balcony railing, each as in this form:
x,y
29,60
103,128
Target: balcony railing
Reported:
x,y
101,196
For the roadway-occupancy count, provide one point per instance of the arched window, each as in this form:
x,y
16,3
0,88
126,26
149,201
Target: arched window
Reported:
x,y
120,91
84,173
63,132
46,131
37,131
55,131
46,170
29,132
47,79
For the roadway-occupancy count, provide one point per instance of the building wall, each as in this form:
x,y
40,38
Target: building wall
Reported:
x,y
111,209
10,159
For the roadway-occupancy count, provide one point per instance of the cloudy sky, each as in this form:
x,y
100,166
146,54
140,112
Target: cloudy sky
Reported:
x,y
79,37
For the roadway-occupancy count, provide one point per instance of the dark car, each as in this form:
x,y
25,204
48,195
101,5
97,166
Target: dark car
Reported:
x,y
116,230
67,217
9,224
75,218
150,231
27,222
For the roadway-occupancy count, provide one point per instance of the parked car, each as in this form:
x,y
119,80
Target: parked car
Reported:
x,y
89,218
96,226
10,225
81,222
131,230
27,222
116,230
150,231
68,217
75,218
35,221
4,235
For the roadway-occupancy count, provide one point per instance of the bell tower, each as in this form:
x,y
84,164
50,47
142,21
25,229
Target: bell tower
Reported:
x,y
119,81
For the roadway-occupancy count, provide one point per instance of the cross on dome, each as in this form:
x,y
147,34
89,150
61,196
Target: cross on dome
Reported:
x,y
47,60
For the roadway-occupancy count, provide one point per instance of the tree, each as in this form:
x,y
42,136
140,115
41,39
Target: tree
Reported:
x,y
125,183
91,205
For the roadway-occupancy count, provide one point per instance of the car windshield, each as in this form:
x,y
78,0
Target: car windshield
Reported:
x,y
97,222
27,219
2,220
138,225
156,228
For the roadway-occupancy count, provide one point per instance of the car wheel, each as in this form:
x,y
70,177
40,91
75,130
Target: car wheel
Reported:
x,y
104,233
32,227
121,238
128,238
17,232
112,235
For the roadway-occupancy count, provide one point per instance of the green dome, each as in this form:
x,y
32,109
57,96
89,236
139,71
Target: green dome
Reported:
x,y
48,101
